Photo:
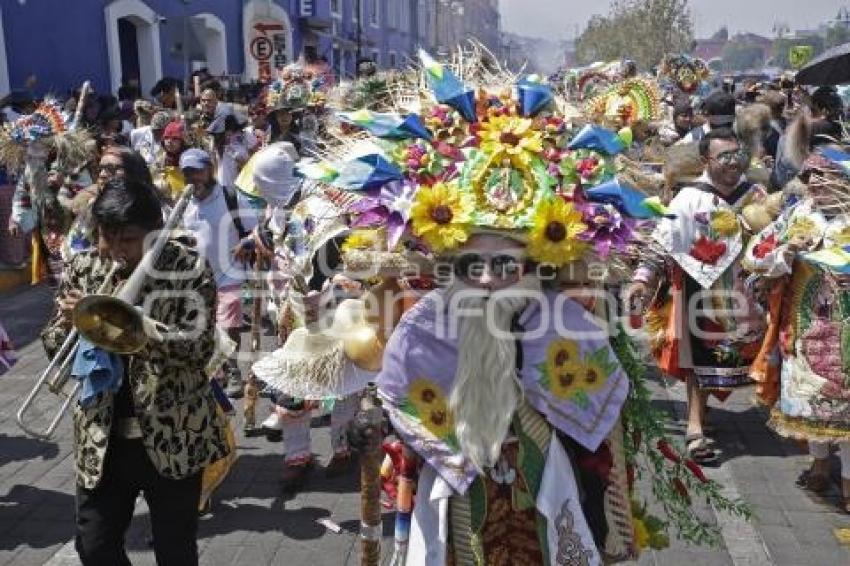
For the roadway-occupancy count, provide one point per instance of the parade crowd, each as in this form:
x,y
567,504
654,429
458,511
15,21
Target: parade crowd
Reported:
x,y
473,273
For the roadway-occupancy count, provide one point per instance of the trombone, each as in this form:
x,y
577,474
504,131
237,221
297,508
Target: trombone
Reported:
x,y
110,322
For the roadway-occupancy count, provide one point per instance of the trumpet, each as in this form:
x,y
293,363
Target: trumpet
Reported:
x,y
110,322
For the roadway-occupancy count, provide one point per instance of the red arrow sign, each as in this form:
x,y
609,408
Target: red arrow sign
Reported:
x,y
263,28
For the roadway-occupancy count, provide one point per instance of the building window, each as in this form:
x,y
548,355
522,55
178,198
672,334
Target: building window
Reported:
x,y
336,7
374,14
393,60
357,7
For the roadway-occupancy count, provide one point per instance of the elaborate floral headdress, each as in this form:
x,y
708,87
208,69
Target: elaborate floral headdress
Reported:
x,y
46,127
293,90
684,72
487,158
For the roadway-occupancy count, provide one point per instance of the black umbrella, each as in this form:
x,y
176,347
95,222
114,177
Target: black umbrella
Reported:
x,y
832,67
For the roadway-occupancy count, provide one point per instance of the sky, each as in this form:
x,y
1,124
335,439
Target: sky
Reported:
x,y
559,18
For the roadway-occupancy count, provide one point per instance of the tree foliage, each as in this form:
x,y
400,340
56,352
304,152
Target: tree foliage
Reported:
x,y
641,30
742,56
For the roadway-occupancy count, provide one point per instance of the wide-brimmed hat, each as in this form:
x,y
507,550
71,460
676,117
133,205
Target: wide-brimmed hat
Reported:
x,y
316,363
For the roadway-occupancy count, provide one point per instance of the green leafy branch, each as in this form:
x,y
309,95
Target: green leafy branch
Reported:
x,y
675,480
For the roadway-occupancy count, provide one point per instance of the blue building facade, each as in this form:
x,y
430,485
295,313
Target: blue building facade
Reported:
x,y
54,45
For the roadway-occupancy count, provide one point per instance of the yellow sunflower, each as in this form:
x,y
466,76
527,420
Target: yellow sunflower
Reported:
x,y
594,376
365,239
556,225
431,407
725,222
803,229
563,368
441,215
511,137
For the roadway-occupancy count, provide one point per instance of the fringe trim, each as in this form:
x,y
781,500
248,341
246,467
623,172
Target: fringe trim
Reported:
x,y
798,428
314,377
620,543
460,519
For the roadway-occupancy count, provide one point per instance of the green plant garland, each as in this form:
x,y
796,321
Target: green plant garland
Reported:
x,y
676,480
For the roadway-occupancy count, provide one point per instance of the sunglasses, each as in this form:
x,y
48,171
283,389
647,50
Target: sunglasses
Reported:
x,y
503,266
738,157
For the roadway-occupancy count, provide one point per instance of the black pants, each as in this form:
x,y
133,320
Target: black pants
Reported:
x,y
104,513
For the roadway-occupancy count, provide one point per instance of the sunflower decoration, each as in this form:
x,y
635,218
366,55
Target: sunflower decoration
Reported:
x,y
724,222
365,239
511,138
561,372
427,403
555,233
441,216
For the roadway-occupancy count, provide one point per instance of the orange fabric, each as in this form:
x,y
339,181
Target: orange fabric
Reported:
x,y
668,354
39,261
764,371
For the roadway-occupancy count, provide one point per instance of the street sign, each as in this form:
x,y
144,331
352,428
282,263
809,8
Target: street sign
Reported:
x,y
266,48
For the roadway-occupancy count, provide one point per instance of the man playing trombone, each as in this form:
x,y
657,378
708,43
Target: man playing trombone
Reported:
x,y
152,426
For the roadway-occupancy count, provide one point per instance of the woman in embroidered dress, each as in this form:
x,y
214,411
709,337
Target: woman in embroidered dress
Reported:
x,y
801,371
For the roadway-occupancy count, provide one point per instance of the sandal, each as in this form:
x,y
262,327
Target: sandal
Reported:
x,y
700,449
811,481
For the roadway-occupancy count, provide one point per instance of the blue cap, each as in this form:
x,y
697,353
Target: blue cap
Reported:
x,y
195,158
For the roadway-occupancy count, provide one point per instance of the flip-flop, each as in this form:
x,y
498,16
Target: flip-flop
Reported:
x,y
700,449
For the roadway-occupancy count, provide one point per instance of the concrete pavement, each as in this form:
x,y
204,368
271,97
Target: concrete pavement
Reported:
x,y
253,523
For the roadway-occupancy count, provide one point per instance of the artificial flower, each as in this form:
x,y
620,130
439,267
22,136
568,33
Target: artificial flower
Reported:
x,y
555,233
441,216
725,222
513,138
365,239
708,251
389,206
607,229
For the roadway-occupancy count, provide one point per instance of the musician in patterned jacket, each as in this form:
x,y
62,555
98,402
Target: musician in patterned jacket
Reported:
x,y
144,422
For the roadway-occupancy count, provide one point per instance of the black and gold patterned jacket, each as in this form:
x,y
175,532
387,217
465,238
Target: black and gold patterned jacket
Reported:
x,y
171,393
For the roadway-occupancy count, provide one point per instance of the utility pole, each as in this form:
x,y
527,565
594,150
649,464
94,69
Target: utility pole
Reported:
x,y
358,6
186,71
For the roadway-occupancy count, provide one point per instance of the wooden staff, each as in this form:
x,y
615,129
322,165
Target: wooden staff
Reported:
x,y
251,389
370,480
81,103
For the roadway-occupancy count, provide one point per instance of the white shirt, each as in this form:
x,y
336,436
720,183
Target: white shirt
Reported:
x,y
238,149
142,140
212,226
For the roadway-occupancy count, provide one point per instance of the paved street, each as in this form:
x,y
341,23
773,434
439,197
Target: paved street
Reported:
x,y
254,524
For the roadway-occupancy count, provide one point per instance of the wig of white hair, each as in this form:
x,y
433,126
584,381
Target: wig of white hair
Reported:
x,y
486,390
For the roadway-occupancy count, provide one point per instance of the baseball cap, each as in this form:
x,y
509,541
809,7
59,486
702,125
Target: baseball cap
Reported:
x,y
195,158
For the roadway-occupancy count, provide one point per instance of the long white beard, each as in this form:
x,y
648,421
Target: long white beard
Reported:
x,y
486,390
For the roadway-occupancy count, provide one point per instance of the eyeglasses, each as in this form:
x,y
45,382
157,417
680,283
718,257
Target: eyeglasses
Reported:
x,y
111,168
503,266
737,157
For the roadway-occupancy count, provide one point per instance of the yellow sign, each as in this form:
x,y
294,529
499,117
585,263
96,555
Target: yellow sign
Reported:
x,y
799,55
